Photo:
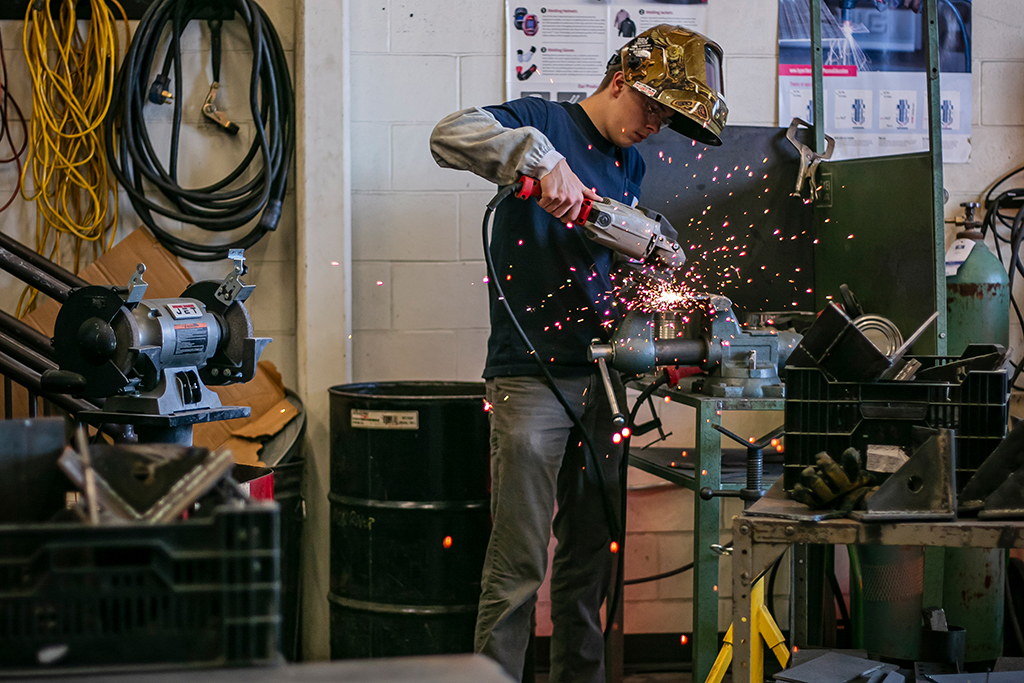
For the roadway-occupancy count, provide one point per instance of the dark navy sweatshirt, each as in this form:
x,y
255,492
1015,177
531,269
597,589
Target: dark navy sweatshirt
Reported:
x,y
556,280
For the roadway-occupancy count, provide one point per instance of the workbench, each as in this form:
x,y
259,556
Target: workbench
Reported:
x,y
759,541
706,458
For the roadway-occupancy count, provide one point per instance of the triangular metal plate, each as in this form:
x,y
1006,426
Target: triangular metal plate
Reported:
x,y
1007,501
924,488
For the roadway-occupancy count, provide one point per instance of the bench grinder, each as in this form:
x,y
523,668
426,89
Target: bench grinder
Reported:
x,y
152,359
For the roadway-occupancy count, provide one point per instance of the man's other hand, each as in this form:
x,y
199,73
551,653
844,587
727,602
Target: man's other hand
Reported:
x,y
563,193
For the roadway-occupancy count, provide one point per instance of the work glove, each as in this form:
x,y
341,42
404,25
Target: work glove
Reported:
x,y
828,484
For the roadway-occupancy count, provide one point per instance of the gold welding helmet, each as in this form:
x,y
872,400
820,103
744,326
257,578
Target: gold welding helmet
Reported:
x,y
682,70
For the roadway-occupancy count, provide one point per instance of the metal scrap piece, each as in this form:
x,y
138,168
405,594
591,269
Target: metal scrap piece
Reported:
x,y
151,483
832,667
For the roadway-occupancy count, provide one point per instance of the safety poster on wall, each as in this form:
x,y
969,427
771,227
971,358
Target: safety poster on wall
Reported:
x,y
559,51
875,91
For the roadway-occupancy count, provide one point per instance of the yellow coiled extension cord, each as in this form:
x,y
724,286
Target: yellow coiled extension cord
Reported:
x,y
72,84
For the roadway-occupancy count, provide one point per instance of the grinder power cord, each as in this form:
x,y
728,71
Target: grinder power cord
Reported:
x,y
232,202
502,195
629,232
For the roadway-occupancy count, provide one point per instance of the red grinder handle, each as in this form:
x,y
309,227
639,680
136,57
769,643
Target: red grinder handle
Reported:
x,y
531,188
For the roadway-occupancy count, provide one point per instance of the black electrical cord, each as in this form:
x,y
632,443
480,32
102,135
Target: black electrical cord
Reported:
x,y
769,592
5,126
657,577
613,603
837,592
231,202
613,528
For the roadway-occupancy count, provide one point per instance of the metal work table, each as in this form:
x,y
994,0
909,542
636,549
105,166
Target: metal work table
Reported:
x,y
707,461
758,541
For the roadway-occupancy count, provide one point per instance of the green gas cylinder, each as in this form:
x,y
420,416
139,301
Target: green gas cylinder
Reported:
x,y
978,311
977,294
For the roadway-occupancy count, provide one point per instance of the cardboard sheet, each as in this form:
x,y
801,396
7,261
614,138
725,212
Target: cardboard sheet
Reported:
x,y
247,441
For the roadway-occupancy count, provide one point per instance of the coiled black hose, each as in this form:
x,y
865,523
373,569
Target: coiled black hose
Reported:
x,y
231,202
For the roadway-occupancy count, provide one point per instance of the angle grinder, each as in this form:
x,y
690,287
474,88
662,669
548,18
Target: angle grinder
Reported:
x,y
635,233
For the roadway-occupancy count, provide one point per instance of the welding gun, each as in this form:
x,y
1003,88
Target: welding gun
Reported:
x,y
636,233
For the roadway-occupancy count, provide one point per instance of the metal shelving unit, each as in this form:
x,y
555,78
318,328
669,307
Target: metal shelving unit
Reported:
x,y
707,462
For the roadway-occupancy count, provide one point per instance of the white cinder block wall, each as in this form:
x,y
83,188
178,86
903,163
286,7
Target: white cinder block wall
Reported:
x,y
419,305
206,154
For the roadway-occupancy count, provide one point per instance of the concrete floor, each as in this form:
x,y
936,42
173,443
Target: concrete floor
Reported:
x,y
674,677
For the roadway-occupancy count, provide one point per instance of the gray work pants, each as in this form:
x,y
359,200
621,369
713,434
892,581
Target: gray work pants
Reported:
x,y
536,460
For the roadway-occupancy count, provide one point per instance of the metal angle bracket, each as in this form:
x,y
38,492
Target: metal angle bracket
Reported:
x,y
1007,501
924,488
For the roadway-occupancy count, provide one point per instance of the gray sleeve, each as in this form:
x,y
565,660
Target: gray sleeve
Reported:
x,y
473,140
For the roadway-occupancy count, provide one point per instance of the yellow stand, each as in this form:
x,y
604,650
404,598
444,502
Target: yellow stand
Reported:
x,y
764,626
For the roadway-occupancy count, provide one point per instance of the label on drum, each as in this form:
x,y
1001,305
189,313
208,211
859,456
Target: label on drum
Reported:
x,y
385,419
190,338
185,309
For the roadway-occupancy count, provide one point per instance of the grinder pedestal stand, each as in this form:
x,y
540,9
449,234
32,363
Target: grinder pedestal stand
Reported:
x,y
174,428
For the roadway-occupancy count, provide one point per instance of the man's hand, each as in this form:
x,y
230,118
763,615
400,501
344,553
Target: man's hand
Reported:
x,y
563,193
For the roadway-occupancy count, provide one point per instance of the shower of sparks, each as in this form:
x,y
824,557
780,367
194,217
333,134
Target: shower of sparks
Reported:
x,y
725,248
642,290
727,244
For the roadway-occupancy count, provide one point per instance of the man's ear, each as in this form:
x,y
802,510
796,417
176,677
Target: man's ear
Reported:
x,y
618,85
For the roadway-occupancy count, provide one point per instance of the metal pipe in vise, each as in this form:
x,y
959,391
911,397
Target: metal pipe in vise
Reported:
x,y
685,352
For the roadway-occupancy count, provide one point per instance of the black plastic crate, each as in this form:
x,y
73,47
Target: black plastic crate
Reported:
x,y
830,416
201,592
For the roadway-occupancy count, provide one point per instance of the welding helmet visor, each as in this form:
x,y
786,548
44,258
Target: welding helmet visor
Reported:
x,y
682,70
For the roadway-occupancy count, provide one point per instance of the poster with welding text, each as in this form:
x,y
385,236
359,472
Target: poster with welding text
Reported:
x,y
559,51
874,76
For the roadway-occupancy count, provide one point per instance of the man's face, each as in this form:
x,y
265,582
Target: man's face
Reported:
x,y
635,116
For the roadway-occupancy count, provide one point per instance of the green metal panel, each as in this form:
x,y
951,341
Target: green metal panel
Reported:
x,y
707,457
931,43
877,235
818,102
892,208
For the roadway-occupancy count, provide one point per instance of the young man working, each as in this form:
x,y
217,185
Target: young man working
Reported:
x,y
558,284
